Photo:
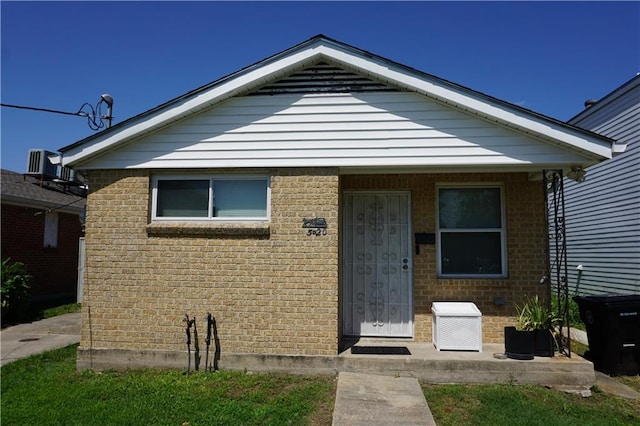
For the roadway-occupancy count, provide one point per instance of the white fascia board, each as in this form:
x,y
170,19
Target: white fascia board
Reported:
x,y
591,146
206,99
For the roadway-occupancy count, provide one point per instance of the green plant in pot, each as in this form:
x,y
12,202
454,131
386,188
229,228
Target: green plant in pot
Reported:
x,y
533,333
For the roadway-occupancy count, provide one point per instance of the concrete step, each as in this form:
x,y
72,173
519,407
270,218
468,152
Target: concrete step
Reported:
x,y
371,400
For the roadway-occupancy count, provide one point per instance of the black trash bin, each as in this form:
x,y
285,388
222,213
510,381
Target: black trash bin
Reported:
x,y
613,330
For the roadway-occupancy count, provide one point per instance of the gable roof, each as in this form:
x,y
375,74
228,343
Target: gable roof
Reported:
x,y
605,103
24,190
590,147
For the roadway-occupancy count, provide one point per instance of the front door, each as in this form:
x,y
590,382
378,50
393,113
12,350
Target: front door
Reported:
x,y
376,284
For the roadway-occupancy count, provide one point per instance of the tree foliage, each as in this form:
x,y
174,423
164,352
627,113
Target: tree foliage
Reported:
x,y
16,290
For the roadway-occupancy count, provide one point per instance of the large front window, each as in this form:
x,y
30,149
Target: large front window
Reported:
x,y
471,236
210,198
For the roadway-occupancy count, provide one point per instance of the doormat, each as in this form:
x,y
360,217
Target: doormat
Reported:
x,y
380,350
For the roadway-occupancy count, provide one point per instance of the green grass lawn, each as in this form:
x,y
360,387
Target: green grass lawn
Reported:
x,y
47,390
60,310
530,405
526,405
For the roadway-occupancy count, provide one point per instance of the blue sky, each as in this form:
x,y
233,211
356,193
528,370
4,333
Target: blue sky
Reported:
x,y
545,56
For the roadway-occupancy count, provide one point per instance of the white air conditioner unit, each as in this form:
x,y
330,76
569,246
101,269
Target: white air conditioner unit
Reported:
x,y
68,175
39,164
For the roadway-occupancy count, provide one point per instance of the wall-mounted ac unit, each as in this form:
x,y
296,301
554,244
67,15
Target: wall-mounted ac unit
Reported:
x,y
68,175
39,164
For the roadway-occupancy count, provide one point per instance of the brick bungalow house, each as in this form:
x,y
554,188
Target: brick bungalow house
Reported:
x,y
41,227
322,193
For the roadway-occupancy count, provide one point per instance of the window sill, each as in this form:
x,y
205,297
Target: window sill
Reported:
x,y
200,229
472,277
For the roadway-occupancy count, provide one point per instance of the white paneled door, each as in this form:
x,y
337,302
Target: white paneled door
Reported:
x,y
377,264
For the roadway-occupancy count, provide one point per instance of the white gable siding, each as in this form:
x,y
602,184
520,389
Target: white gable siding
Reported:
x,y
322,65
345,130
603,213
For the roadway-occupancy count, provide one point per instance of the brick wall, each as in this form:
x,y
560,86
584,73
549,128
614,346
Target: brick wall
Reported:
x,y
524,206
54,271
272,294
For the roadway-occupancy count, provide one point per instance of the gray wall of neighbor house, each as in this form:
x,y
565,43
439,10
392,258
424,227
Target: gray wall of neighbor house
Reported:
x,y
603,212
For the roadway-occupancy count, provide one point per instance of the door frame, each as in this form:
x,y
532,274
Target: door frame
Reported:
x,y
343,242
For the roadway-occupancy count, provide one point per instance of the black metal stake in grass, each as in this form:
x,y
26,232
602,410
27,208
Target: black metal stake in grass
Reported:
x,y
207,341
189,324
196,347
216,343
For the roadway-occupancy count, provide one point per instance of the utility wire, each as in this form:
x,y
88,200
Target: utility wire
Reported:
x,y
94,115
53,209
42,109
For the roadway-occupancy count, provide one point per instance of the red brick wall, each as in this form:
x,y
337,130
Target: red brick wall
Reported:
x,y
54,270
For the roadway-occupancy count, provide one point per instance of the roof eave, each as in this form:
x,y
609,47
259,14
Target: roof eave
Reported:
x,y
631,84
207,96
520,119
591,145
40,204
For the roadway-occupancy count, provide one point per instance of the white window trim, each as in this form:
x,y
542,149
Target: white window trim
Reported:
x,y
51,221
502,229
210,178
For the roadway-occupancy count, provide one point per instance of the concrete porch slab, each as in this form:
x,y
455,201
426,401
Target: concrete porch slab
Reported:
x,y
429,365
424,363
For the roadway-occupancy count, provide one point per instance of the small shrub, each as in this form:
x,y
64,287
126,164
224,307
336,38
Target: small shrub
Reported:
x,y
16,291
574,312
533,314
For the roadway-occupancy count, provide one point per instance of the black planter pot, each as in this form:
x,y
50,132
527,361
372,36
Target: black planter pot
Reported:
x,y
543,343
519,344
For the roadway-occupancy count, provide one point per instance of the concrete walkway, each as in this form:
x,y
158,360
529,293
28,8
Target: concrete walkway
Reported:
x,y
371,400
24,340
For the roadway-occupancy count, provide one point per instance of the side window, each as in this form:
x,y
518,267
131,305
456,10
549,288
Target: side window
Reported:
x,y
240,198
213,198
471,231
50,230
184,198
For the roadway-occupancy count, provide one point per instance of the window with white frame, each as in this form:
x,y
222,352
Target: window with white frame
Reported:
x,y
471,231
51,230
210,197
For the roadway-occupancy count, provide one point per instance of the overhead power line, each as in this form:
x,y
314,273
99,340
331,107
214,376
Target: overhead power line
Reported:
x,y
41,109
93,114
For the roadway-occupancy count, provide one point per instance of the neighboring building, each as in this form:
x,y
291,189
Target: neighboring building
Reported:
x,y
321,194
41,228
603,212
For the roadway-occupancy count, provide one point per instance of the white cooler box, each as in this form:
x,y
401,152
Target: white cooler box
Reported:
x,y
456,326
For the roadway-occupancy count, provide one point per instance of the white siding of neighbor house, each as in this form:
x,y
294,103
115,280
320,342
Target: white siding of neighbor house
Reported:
x,y
333,129
603,212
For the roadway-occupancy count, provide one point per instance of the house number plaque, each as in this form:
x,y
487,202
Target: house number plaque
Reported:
x,y
315,226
